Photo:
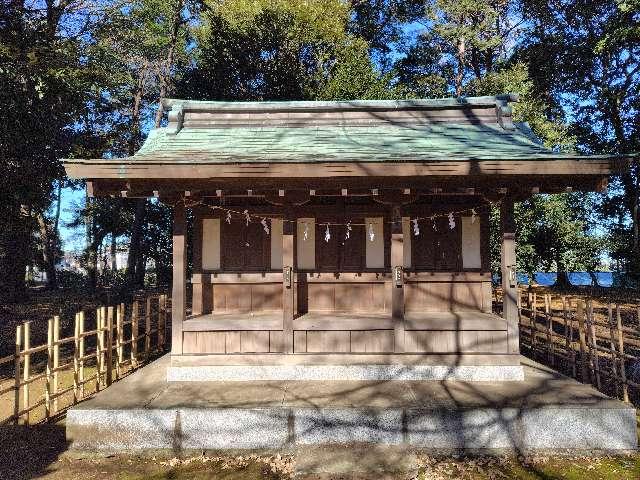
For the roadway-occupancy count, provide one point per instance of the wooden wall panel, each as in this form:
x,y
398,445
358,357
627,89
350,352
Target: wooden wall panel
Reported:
x,y
443,296
321,297
300,341
254,341
375,248
233,342
306,249
246,298
190,342
336,341
204,342
372,341
347,297
276,341
468,341
471,254
266,297
276,243
211,244
407,233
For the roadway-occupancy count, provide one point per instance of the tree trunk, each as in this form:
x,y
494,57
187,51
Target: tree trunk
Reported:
x,y
165,74
48,245
461,66
14,244
114,263
562,278
136,238
140,271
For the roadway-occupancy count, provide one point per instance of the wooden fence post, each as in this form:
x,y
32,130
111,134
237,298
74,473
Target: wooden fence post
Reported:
x,y
135,308
548,314
567,316
100,331
47,394
27,372
56,360
18,376
76,358
81,353
534,323
593,344
580,312
109,352
613,350
119,340
147,328
623,370
162,323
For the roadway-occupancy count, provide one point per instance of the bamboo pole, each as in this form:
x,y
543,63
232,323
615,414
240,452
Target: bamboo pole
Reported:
x,y
549,325
109,352
26,372
594,344
56,360
584,371
76,358
162,323
100,346
81,353
147,328
18,376
119,340
612,347
135,308
48,391
623,371
534,322
568,325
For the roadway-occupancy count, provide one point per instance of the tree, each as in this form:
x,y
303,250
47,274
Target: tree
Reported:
x,y
141,45
264,50
43,82
593,72
352,76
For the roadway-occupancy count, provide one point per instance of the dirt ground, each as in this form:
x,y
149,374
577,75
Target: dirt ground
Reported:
x,y
40,453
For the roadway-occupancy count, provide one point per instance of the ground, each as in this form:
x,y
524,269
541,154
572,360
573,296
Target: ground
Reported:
x,y
41,452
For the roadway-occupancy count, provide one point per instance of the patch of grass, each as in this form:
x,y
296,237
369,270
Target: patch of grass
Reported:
x,y
536,468
209,471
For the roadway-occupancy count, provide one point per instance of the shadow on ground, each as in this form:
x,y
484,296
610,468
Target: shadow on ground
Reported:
x,y
29,452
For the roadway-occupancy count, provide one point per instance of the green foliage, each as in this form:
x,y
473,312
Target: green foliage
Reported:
x,y
263,50
553,235
530,107
352,76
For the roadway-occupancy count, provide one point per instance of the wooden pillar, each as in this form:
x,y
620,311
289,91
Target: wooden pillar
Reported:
x,y
288,284
509,280
397,286
179,290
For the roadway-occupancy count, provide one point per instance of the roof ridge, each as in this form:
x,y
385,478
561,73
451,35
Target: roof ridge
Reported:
x,y
447,102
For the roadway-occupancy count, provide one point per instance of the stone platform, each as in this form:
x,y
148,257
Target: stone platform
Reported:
x,y
545,411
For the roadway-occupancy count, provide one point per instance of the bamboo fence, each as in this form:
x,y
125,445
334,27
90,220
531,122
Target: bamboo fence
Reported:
x,y
126,330
595,342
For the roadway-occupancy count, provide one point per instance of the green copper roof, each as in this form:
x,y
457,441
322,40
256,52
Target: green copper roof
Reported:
x,y
437,141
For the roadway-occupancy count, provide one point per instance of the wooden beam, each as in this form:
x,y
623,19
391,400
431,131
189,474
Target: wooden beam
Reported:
x,y
138,169
397,287
509,279
288,284
179,290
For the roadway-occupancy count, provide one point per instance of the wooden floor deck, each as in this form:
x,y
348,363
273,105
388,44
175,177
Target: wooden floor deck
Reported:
x,y
345,321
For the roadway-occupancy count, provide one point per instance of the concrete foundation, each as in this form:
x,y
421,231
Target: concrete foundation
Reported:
x,y
355,373
544,411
